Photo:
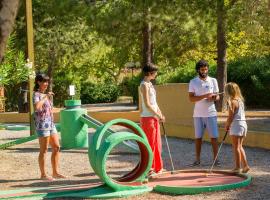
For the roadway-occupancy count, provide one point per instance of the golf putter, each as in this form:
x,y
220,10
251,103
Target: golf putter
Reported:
x,y
168,147
210,171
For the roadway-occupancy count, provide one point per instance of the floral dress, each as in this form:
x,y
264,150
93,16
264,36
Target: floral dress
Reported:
x,y
43,117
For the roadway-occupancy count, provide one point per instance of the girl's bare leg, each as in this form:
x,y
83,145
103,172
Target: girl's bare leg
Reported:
x,y
237,151
243,157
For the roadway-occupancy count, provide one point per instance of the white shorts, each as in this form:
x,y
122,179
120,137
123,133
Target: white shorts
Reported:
x,y
238,129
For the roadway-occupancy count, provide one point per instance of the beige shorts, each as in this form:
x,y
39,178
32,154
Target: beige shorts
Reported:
x,y
238,129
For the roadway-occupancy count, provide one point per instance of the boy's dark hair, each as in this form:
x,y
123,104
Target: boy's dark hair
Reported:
x,y
201,63
149,68
40,78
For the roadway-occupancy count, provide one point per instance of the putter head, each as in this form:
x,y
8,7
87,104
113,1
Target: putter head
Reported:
x,y
208,173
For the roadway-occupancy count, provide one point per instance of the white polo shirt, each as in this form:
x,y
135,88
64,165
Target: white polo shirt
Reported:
x,y
204,108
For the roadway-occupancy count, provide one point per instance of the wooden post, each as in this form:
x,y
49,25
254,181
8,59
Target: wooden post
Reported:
x,y
30,63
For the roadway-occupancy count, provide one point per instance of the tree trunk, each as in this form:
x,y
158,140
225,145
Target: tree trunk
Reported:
x,y
8,12
50,74
269,7
147,53
23,98
221,51
52,54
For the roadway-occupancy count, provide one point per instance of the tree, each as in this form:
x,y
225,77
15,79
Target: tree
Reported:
x,y
221,51
12,73
8,12
147,47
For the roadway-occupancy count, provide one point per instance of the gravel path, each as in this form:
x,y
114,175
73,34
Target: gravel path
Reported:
x,y
19,167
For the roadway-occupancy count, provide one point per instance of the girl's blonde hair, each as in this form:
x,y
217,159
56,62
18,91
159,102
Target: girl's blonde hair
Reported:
x,y
232,91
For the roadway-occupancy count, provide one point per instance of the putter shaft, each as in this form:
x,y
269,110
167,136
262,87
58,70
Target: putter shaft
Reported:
x,y
168,147
210,171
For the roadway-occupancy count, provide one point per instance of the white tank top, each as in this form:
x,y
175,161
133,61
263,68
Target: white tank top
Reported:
x,y
152,100
240,113
239,117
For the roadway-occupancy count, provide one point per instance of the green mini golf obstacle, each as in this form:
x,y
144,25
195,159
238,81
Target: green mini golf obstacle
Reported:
x,y
73,131
102,144
99,149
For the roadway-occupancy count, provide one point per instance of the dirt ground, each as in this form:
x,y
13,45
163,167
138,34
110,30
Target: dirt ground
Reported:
x,y
19,167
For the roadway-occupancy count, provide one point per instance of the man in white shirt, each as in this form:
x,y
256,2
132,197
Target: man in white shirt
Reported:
x,y
203,90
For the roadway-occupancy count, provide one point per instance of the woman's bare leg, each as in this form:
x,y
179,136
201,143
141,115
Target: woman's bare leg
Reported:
x,y
43,143
54,142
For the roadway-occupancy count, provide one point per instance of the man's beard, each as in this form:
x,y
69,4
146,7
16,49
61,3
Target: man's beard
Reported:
x,y
203,75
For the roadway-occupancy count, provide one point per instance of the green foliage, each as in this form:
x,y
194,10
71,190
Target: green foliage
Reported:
x,y
12,72
251,73
62,81
99,92
251,18
130,86
92,41
13,69
253,76
182,74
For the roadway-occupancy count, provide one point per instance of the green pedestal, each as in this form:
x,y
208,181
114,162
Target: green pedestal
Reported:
x,y
73,131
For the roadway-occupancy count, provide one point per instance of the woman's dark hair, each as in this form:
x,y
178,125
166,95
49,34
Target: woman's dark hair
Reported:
x,y
201,63
149,68
40,78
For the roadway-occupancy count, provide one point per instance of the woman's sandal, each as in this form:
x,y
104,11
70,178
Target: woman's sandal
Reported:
x,y
161,171
47,178
151,173
59,176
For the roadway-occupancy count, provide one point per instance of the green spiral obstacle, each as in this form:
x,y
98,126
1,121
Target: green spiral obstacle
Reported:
x,y
102,144
99,149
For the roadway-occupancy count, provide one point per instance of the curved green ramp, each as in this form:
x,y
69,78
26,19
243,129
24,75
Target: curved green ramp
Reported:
x,y
102,144
17,127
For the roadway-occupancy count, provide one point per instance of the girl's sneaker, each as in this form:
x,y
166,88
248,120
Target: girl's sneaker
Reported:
x,y
245,169
195,163
217,163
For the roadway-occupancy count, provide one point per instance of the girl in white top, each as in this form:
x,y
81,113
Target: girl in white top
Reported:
x,y
150,116
236,125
